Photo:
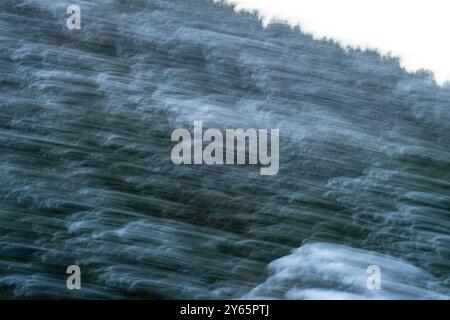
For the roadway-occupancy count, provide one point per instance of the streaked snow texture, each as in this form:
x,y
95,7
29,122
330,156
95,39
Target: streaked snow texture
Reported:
x,y
86,176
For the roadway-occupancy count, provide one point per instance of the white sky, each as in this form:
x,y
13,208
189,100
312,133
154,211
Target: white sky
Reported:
x,y
417,31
